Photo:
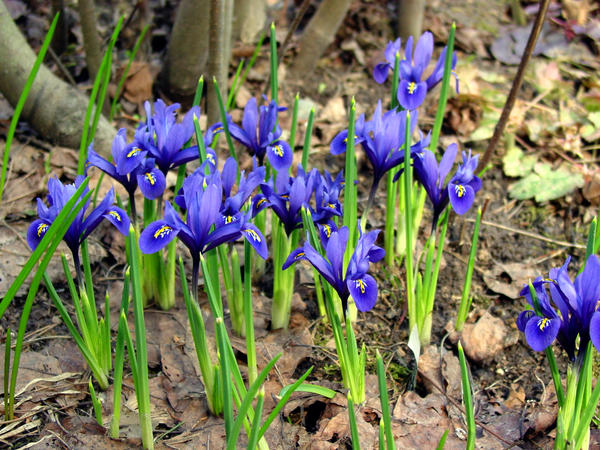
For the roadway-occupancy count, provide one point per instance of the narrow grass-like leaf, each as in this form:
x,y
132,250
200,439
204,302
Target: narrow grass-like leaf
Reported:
x,y
21,102
442,442
234,84
95,403
119,359
97,97
309,388
294,125
350,216
136,47
233,93
248,313
439,115
247,402
307,137
223,113
7,350
353,427
87,352
142,390
253,436
467,399
385,404
274,63
465,301
281,403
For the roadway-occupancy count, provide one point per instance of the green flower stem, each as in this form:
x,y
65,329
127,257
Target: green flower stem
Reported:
x,y
249,315
294,125
274,63
390,210
119,359
207,368
142,389
283,280
386,418
465,301
353,427
410,291
467,399
441,109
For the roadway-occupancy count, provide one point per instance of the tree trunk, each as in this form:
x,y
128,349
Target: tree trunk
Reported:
x,y
410,18
218,56
91,39
249,17
188,48
319,33
55,109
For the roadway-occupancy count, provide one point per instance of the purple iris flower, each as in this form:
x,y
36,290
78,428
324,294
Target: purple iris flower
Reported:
x,y
461,189
412,88
287,197
58,195
131,167
464,184
577,304
164,138
260,133
203,201
356,282
327,193
381,70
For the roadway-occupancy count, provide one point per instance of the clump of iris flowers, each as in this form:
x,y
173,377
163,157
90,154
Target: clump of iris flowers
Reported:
x,y
566,310
260,133
58,195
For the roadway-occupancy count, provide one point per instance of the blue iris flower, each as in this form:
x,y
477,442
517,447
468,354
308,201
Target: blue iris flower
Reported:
x,y
461,189
412,89
164,138
131,168
58,195
287,197
203,229
572,318
260,133
356,282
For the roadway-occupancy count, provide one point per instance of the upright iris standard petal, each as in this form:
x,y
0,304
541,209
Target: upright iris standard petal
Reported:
x,y
156,236
595,330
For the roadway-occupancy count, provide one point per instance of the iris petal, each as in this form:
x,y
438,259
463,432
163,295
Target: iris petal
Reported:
x,y
156,236
152,183
364,292
280,155
540,332
36,232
